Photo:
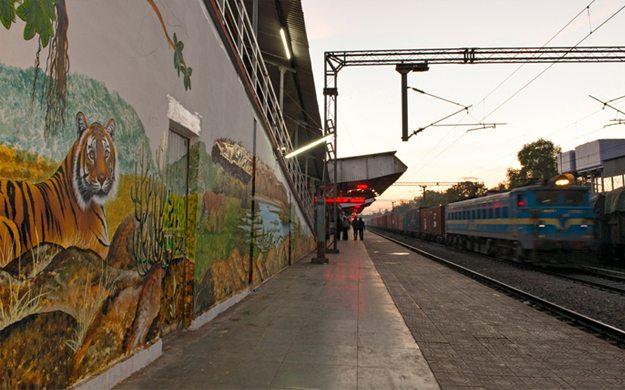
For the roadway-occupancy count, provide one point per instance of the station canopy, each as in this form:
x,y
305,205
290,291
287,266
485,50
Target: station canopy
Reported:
x,y
365,177
300,106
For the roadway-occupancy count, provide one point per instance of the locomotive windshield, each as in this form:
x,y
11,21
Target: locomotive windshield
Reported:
x,y
574,197
547,197
560,197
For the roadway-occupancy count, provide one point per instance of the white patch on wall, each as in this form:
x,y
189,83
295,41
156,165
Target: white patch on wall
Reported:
x,y
183,117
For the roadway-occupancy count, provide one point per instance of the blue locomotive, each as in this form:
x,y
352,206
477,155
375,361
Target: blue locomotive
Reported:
x,y
551,222
548,223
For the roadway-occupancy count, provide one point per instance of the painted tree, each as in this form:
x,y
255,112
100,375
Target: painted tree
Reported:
x,y
48,21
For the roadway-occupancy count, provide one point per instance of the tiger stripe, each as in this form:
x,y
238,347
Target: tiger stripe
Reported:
x,y
67,209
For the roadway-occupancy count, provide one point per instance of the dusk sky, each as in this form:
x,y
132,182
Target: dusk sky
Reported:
x,y
555,105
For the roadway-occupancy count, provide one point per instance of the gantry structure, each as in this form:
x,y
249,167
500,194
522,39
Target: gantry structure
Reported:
x,y
419,60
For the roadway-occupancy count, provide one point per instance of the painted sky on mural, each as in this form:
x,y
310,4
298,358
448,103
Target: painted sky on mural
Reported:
x,y
555,105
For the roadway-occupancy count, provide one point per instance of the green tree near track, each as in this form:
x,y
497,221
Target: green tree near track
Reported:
x,y
464,190
538,159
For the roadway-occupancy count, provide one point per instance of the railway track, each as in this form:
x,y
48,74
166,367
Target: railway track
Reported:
x,y
593,277
599,329
612,280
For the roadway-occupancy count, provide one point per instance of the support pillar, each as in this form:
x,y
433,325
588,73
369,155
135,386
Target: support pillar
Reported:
x,y
320,224
404,69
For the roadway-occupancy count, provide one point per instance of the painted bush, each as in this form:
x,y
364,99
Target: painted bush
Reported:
x,y
69,234
97,300
243,237
102,250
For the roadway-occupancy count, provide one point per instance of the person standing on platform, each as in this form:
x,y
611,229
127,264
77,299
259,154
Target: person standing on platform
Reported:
x,y
355,226
345,228
361,228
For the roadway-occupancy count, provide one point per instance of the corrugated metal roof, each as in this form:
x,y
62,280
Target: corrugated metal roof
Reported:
x,y
377,171
301,109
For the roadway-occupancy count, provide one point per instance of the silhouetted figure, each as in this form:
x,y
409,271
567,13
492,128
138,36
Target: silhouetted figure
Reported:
x,y
345,226
361,227
355,226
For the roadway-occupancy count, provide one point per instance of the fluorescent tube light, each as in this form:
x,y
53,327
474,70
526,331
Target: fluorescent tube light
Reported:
x,y
313,144
286,47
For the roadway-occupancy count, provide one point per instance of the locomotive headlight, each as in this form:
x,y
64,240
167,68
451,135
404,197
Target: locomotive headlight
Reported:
x,y
583,226
562,182
541,226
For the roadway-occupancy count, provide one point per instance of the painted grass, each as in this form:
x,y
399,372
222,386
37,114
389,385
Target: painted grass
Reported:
x,y
92,299
212,246
118,208
20,303
22,300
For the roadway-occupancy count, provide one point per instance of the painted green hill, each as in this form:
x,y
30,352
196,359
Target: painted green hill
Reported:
x,y
23,130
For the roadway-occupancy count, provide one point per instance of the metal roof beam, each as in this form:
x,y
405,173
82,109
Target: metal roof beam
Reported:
x,y
496,55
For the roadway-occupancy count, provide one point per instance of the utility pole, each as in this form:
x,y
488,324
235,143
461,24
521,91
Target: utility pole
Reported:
x,y
424,187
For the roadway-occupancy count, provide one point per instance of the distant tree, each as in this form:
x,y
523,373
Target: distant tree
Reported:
x,y
428,199
380,213
432,198
405,205
539,160
515,178
501,187
464,190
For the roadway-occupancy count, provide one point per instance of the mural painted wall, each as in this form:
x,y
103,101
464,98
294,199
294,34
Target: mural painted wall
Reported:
x,y
247,228
116,230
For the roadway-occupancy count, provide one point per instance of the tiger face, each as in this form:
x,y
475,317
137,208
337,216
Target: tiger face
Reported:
x,y
96,171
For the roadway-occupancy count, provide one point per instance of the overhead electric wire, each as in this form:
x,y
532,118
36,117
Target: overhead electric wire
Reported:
x,y
564,142
522,88
420,129
440,98
544,45
618,98
552,64
605,104
555,132
497,87
347,131
548,135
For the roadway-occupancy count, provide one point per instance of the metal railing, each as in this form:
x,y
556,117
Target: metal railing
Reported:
x,y
239,28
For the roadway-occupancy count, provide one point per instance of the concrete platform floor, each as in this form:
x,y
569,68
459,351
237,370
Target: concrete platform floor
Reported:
x,y
331,326
474,337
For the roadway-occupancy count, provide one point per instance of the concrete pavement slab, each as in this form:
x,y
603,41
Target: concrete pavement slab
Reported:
x,y
331,326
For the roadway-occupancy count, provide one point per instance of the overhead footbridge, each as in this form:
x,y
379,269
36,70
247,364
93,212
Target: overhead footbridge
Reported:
x,y
360,179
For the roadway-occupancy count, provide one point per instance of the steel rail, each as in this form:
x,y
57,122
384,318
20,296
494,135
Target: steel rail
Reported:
x,y
580,278
604,331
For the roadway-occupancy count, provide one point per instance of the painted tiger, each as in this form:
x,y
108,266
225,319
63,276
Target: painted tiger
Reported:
x,y
68,208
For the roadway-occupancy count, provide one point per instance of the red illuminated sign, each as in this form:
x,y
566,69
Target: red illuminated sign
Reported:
x,y
362,186
345,200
